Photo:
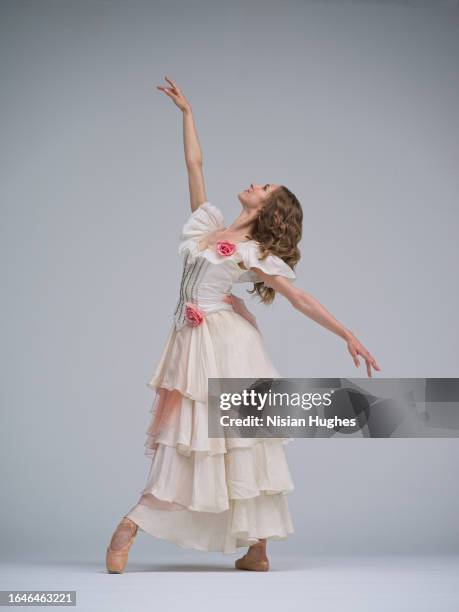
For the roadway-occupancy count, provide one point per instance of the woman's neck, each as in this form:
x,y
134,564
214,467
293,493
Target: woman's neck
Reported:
x,y
242,225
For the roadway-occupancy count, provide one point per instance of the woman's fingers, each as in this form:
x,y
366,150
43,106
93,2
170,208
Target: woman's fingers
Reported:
x,y
355,349
175,94
174,86
173,89
171,82
366,356
368,363
353,353
168,92
165,89
371,363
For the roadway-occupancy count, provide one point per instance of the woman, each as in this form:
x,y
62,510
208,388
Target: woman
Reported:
x,y
218,494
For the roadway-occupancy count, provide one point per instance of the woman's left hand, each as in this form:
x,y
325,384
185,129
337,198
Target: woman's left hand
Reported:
x,y
356,348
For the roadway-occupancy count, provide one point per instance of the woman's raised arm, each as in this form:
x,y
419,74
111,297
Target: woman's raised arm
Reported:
x,y
192,148
312,308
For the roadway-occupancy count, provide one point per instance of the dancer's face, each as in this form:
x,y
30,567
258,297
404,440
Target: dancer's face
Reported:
x,y
254,196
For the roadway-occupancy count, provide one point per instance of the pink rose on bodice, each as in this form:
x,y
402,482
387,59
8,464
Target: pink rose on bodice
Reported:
x,y
225,248
193,315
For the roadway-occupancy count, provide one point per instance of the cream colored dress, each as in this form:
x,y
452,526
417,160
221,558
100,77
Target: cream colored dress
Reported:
x,y
211,494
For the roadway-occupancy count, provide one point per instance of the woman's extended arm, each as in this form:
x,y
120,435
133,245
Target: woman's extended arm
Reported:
x,y
308,305
192,148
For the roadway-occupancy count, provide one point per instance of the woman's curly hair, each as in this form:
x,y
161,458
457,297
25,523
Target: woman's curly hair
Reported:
x,y
278,230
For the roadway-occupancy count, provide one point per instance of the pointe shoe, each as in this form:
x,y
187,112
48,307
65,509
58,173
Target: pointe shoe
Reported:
x,y
249,564
116,559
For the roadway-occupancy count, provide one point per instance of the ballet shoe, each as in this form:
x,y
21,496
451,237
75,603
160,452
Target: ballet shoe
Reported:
x,y
116,559
250,564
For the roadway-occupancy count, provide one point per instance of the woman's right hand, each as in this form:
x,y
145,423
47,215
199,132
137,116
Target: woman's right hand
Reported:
x,y
176,95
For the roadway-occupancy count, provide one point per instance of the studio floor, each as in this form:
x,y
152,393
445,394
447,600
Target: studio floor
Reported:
x,y
195,582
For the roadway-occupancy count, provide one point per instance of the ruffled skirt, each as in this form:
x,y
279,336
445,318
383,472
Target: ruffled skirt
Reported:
x,y
211,494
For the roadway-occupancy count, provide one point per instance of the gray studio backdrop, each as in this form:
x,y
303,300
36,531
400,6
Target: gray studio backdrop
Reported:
x,y
354,107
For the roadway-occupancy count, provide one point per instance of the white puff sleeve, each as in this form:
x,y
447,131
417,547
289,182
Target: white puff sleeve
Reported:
x,y
272,264
205,219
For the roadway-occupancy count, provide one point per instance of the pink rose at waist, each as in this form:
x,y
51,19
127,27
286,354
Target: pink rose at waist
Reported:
x,y
193,315
225,248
